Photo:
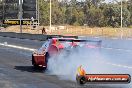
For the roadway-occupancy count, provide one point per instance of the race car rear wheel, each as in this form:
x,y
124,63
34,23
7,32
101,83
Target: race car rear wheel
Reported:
x,y
32,59
47,56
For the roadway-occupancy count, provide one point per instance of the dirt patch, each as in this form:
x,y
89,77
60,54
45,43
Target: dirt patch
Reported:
x,y
75,30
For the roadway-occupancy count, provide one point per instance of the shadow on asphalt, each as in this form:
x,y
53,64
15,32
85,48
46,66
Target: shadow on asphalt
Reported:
x,y
29,69
99,86
36,70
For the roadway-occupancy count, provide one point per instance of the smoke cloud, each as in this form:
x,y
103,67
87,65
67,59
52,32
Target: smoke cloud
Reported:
x,y
92,60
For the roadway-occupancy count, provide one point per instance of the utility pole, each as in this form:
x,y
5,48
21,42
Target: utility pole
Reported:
x,y
20,16
3,6
121,13
38,11
50,15
121,21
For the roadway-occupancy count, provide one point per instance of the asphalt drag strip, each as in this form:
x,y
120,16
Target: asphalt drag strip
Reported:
x,y
16,70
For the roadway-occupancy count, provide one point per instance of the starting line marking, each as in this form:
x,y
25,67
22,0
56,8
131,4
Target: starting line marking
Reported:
x,y
17,47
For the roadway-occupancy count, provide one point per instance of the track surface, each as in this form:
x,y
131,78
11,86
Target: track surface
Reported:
x,y
16,70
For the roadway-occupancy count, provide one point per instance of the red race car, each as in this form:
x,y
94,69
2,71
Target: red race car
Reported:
x,y
54,46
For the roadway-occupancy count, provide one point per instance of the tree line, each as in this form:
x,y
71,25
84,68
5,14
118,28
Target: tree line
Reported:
x,y
93,13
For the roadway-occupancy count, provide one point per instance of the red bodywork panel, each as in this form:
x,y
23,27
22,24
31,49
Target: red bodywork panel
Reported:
x,y
53,49
40,60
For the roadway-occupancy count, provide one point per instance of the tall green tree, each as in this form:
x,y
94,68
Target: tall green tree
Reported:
x,y
44,12
91,12
129,3
113,15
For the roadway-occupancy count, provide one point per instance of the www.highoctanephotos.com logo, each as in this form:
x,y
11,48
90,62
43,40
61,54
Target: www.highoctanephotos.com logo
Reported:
x,y
104,78
82,77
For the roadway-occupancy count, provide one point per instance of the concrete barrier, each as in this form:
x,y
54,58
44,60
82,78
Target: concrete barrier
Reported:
x,y
39,37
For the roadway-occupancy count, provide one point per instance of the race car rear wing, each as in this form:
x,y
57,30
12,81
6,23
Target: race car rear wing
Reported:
x,y
99,42
60,36
78,40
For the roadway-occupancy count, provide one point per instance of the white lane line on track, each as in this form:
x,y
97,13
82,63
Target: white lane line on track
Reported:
x,y
129,39
117,65
96,37
17,47
118,49
31,49
113,38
